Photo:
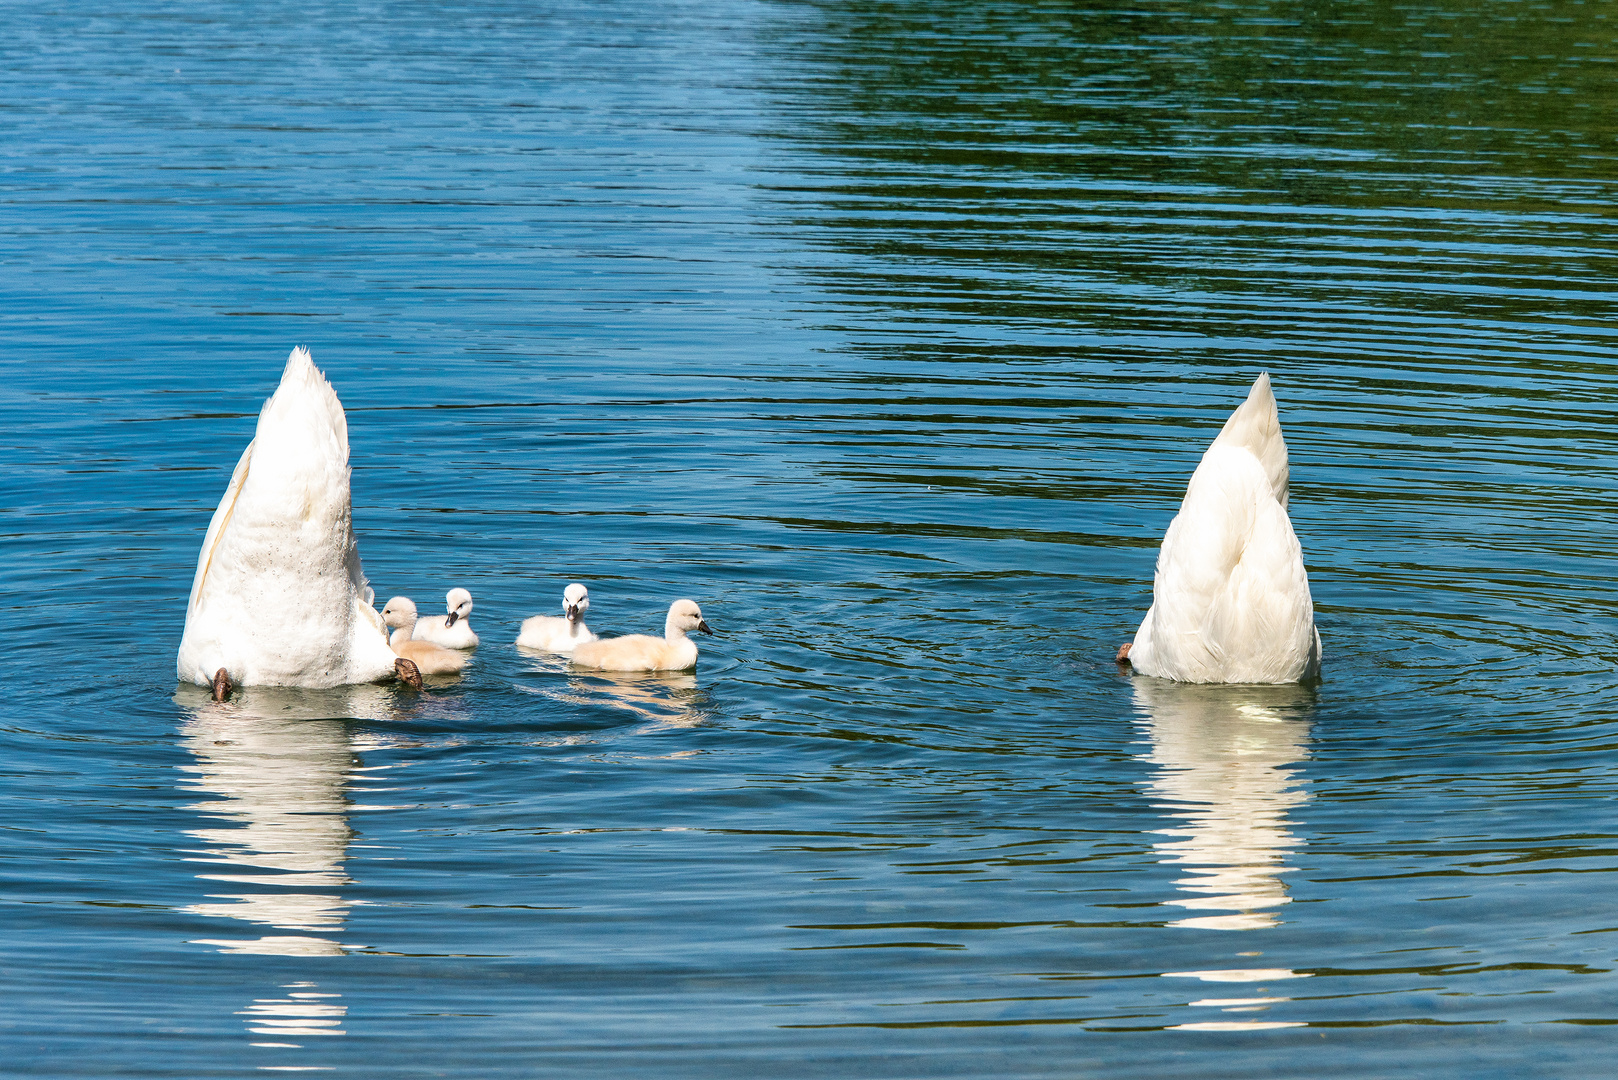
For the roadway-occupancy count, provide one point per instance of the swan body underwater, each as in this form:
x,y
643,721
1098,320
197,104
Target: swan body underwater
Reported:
x,y
279,598
430,659
674,651
550,633
451,630
1230,597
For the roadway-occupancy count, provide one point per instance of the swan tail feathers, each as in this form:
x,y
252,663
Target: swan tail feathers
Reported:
x,y
1255,426
303,418
1230,594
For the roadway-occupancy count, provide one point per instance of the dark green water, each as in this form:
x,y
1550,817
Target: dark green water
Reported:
x,y
890,333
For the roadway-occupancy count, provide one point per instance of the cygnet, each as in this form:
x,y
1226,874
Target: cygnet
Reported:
x,y
643,652
451,630
552,634
429,659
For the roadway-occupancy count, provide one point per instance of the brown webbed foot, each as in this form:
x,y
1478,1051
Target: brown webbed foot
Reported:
x,y
1123,654
221,685
408,673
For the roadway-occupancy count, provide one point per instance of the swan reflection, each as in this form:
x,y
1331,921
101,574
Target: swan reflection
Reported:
x,y
274,766
1223,754
303,1012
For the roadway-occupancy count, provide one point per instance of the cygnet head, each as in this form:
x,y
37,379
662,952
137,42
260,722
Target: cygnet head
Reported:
x,y
575,601
458,602
685,616
400,612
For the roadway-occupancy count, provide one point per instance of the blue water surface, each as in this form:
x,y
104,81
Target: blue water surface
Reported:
x,y
890,333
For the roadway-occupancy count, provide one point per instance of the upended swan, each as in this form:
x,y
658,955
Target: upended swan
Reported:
x,y
550,633
1230,598
400,614
279,598
451,630
643,652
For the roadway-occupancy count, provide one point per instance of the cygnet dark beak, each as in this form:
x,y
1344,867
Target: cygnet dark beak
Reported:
x,y
703,627
573,613
451,620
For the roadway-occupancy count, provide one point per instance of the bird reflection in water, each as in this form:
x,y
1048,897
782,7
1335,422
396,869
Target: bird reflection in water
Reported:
x,y
275,767
664,699
1223,754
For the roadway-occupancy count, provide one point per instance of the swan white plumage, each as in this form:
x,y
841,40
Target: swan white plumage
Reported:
x,y
430,659
643,652
561,635
1230,598
279,598
451,630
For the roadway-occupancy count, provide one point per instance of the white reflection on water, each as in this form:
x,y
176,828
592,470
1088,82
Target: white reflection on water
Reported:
x,y
1222,754
280,765
1238,1004
1236,1025
665,699
303,1012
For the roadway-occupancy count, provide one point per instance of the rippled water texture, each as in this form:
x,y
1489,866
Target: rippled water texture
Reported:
x,y
890,333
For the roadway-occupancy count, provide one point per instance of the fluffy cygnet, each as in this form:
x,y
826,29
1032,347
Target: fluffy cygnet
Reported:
x,y
552,634
643,652
451,630
429,659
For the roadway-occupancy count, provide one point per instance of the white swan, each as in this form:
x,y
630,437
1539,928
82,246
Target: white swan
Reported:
x,y
549,633
1230,599
450,630
643,652
430,659
279,598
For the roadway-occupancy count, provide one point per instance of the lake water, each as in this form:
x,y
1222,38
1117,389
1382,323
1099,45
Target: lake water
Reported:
x,y
890,333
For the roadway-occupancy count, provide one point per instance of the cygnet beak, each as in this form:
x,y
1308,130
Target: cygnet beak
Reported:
x,y
702,625
452,617
573,613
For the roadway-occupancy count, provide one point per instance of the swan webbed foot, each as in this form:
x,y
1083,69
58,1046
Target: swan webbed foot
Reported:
x,y
407,672
221,685
1123,654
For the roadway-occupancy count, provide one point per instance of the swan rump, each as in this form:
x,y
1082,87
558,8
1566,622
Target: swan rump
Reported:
x,y
1230,598
279,598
